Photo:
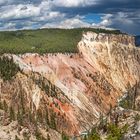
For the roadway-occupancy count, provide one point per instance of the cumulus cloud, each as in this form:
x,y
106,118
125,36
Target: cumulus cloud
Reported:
x,y
126,22
68,23
75,3
30,14
77,22
9,26
105,22
19,11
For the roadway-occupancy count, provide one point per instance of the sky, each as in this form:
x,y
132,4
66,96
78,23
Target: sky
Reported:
x,y
33,14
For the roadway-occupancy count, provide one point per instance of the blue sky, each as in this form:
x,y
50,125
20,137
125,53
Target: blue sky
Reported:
x,y
92,18
33,14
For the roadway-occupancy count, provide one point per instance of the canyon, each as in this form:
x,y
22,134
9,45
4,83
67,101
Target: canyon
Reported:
x,y
75,89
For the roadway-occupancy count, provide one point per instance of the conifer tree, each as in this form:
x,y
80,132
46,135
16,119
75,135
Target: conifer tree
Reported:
x,y
5,106
12,114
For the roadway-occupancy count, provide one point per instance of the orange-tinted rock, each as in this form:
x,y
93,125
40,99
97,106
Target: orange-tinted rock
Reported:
x,y
89,83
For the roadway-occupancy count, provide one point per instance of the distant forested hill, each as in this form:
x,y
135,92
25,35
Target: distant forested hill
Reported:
x,y
44,40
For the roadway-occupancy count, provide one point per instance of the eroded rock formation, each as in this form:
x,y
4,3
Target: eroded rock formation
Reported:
x,y
77,88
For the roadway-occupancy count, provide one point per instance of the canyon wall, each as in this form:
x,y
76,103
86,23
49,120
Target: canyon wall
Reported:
x,y
78,88
115,56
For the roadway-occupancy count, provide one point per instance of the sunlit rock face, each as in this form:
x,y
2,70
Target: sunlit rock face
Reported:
x,y
85,85
115,56
87,92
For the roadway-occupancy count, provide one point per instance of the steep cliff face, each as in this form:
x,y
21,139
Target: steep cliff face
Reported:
x,y
75,88
115,56
87,92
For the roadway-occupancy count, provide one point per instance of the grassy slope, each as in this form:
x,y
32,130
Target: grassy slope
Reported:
x,y
43,40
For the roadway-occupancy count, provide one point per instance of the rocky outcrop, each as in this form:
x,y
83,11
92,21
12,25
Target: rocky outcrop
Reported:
x,y
118,60
110,38
76,87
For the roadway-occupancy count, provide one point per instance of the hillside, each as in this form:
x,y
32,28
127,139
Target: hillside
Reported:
x,y
61,95
44,40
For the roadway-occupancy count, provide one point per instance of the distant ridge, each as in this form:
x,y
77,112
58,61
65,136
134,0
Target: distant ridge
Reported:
x,y
44,40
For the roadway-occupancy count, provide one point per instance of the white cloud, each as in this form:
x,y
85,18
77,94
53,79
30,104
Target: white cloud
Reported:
x,y
8,26
44,16
50,16
75,3
104,23
122,18
78,22
19,11
106,20
41,12
58,13
68,23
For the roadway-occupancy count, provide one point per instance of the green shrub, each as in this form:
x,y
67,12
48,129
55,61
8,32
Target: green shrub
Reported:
x,y
94,135
127,102
116,133
137,117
